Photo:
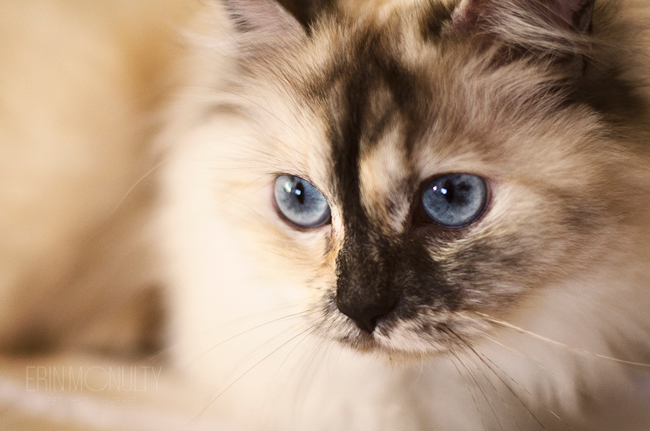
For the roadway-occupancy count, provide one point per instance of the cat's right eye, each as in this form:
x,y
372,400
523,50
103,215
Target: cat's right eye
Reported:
x,y
300,202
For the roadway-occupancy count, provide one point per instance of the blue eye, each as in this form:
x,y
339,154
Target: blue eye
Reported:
x,y
455,200
300,202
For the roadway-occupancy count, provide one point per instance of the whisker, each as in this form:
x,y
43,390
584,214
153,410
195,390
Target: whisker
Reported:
x,y
417,378
301,394
533,361
483,360
279,319
476,384
227,200
306,332
268,110
244,361
510,390
248,356
160,353
475,379
270,310
328,361
133,187
505,403
282,364
525,390
557,343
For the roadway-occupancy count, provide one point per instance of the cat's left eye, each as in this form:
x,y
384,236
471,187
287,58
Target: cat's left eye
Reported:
x,y
455,200
300,202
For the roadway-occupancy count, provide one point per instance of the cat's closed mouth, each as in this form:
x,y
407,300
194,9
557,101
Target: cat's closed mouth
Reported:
x,y
427,333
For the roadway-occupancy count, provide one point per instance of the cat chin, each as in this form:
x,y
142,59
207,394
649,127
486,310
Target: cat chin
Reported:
x,y
393,355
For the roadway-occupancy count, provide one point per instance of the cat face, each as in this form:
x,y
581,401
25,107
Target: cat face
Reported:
x,y
415,171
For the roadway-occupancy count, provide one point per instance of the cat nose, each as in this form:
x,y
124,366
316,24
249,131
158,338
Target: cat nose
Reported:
x,y
365,313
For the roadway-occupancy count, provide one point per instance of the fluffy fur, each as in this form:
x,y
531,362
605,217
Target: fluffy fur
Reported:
x,y
534,317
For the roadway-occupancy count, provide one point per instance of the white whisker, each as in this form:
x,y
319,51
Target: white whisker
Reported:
x,y
557,343
279,319
469,388
133,187
242,375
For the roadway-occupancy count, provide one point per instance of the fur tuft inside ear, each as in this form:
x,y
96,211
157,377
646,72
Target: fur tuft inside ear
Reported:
x,y
553,30
260,26
274,17
259,16
573,15
306,12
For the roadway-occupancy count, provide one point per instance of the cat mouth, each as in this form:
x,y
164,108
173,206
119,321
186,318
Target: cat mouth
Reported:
x,y
402,339
425,335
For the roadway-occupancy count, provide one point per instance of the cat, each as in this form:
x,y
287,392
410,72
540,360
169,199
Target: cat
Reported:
x,y
318,160
414,215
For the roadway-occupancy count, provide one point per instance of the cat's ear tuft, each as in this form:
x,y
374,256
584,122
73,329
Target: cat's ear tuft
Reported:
x,y
307,12
271,17
552,30
469,12
259,16
261,27
574,15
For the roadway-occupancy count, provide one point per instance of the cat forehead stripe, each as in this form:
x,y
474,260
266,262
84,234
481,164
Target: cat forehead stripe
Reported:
x,y
366,99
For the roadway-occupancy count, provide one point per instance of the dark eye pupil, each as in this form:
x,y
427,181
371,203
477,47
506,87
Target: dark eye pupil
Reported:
x,y
299,192
447,191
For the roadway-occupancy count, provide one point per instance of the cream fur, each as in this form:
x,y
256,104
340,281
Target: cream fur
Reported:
x,y
246,345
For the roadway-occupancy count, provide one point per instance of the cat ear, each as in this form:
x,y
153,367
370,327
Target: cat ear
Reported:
x,y
575,15
551,29
274,19
306,12
260,18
